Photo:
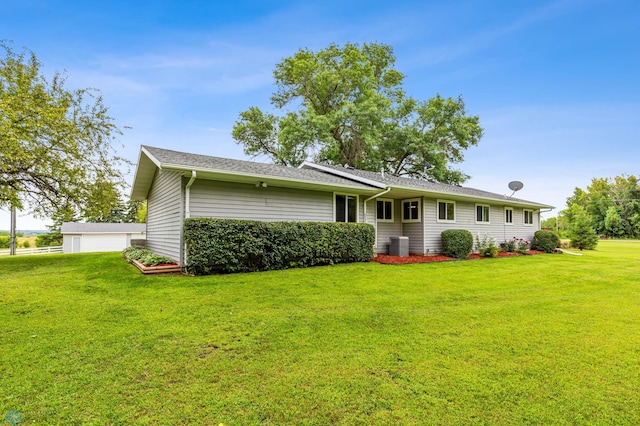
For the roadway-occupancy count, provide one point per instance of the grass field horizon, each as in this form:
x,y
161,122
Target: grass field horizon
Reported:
x,y
547,339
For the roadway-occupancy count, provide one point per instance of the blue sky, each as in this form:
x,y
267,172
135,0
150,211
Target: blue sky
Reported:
x,y
556,84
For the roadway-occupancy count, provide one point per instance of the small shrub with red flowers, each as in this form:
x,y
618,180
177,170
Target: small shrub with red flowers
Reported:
x,y
515,244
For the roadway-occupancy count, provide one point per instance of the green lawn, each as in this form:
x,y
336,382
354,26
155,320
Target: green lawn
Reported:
x,y
549,339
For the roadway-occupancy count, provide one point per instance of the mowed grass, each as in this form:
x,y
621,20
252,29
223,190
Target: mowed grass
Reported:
x,y
548,339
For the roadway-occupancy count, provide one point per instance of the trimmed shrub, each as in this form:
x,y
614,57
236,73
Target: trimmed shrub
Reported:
x,y
457,243
545,241
145,256
230,245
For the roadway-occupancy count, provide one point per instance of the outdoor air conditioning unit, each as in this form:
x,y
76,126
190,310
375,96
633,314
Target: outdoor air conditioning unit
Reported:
x,y
399,246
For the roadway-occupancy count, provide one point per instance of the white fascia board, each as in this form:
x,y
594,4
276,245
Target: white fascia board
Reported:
x,y
178,167
139,170
151,157
345,175
506,201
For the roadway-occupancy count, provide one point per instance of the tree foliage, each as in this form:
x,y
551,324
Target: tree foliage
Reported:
x,y
612,206
131,211
49,239
346,106
581,233
55,143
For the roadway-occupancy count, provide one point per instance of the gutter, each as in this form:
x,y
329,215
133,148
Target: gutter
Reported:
x,y
187,214
371,198
187,195
547,211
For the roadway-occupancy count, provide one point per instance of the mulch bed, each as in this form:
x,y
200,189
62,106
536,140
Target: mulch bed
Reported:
x,y
419,258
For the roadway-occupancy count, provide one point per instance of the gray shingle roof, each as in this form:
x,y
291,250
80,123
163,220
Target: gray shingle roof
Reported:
x,y
318,174
112,228
430,186
187,161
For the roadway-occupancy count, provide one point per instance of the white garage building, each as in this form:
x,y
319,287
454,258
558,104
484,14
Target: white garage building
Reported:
x,y
90,237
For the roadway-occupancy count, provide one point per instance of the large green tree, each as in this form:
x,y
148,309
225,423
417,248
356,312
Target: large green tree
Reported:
x,y
612,205
55,143
345,105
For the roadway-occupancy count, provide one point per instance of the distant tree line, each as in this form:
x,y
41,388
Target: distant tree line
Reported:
x,y
610,207
613,206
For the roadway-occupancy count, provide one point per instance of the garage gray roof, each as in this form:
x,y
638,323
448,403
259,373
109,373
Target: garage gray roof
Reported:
x,y
99,228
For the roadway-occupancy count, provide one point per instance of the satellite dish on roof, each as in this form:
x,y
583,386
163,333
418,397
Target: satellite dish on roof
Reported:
x,y
515,186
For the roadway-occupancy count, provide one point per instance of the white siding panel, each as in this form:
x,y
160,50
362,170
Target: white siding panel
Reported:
x,y
466,219
165,214
103,242
389,229
416,236
245,201
385,231
414,230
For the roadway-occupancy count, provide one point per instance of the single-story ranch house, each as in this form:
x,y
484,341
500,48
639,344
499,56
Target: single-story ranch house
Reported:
x,y
180,185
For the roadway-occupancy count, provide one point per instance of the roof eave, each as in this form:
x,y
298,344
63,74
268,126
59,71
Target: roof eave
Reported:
x,y
446,194
202,173
346,175
143,176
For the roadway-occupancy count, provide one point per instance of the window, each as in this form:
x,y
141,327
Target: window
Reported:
x,y
346,208
446,211
384,209
411,210
508,216
482,213
528,217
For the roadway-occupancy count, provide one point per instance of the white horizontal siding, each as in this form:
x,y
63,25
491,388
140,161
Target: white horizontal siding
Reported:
x,y
385,230
388,229
102,242
413,230
415,233
165,215
246,201
466,219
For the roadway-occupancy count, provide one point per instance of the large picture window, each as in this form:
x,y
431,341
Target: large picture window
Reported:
x,y
411,210
482,213
384,210
346,208
446,211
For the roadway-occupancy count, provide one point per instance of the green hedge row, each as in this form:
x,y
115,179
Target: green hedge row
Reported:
x,y
229,245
